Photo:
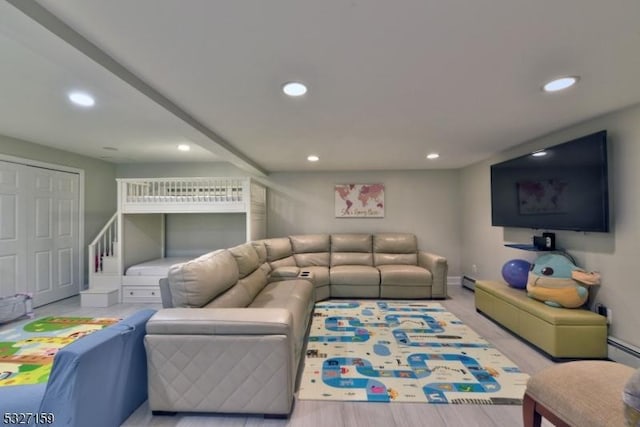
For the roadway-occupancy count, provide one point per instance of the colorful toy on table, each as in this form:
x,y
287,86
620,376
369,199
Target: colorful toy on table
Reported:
x,y
555,280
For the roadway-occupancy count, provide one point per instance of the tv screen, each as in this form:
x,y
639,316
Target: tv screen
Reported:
x,y
563,187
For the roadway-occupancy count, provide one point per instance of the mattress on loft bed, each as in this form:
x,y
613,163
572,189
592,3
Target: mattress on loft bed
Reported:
x,y
155,267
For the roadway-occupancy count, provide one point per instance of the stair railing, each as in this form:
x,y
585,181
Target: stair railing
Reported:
x,y
103,245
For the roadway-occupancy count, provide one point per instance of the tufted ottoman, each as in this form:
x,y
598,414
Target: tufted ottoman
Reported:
x,y
583,393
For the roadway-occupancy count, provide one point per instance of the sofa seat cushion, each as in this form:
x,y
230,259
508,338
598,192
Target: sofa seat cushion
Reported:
x,y
354,275
296,296
404,275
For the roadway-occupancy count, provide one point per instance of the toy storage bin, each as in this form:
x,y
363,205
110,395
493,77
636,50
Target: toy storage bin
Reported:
x,y
15,306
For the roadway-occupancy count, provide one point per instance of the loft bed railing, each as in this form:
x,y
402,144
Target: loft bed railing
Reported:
x,y
195,194
115,248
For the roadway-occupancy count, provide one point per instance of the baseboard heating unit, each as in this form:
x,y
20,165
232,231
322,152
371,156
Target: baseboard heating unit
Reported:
x,y
469,283
623,352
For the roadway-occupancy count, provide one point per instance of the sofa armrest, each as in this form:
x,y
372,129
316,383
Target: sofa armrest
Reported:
x,y
229,360
221,321
438,267
284,273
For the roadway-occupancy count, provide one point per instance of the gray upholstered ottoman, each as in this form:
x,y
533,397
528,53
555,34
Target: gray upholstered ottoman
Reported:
x,y
583,393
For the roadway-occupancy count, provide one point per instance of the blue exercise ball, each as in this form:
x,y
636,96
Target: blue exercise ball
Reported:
x,y
516,272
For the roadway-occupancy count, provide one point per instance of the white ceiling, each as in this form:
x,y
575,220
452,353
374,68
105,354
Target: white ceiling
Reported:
x,y
389,81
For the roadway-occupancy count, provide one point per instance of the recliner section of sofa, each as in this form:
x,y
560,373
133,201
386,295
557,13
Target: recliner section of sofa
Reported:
x,y
352,272
401,275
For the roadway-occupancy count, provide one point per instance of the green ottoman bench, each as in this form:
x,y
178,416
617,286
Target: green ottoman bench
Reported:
x,y
559,332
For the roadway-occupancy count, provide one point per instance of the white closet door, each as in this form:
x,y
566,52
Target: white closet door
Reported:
x,y
13,230
44,249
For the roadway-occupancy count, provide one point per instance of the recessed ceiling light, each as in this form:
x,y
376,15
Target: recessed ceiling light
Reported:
x,y
82,99
294,89
432,156
539,153
313,158
560,84
184,147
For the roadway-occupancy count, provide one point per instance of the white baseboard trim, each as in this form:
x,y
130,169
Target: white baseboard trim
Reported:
x,y
454,280
622,352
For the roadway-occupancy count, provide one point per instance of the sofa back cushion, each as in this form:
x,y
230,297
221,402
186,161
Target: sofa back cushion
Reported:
x,y
311,249
243,293
246,258
261,250
310,243
395,248
196,282
279,252
351,249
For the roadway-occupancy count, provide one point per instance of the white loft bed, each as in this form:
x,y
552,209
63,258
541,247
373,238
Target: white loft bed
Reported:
x,y
129,253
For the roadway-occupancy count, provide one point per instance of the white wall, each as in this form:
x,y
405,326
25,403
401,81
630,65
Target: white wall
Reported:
x,y
156,170
425,203
194,234
614,254
100,184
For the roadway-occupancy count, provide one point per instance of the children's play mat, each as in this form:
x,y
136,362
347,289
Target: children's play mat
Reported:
x,y
403,351
27,350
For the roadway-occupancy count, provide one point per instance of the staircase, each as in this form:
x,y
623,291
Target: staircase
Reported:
x,y
104,259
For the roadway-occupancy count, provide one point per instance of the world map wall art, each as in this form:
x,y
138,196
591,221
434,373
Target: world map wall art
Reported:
x,y
359,200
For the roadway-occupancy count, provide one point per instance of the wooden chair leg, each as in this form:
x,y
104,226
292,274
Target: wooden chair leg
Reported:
x,y
530,416
533,412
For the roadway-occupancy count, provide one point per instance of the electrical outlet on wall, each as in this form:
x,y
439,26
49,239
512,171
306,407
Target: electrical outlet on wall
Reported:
x,y
474,268
609,316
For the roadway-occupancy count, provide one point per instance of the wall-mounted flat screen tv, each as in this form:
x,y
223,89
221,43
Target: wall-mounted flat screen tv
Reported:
x,y
564,187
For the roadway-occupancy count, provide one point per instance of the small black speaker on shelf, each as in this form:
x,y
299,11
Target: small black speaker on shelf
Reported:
x,y
549,241
546,242
539,243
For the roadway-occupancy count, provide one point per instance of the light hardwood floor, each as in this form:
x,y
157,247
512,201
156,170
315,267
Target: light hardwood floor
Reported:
x,y
309,413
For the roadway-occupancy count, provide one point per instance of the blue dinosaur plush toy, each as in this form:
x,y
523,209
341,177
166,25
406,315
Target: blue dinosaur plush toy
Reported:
x,y
555,280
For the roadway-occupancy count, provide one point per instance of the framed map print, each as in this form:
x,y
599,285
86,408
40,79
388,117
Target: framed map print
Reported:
x,y
359,200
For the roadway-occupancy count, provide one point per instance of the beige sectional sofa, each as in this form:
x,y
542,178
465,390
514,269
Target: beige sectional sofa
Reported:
x,y
239,351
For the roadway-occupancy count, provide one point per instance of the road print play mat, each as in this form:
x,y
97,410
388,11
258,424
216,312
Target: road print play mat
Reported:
x,y
403,351
27,350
